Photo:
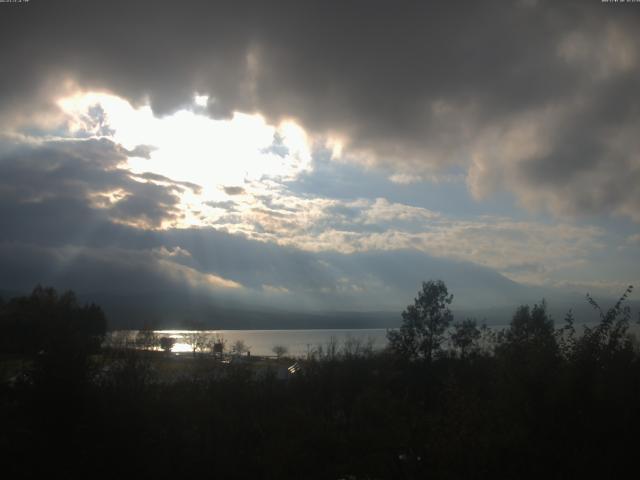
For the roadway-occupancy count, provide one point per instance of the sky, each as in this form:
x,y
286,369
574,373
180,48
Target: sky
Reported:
x,y
321,155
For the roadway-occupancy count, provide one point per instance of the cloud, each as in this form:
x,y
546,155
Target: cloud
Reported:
x,y
555,158
103,270
83,175
523,250
72,215
234,190
275,290
399,103
634,239
142,151
79,193
162,180
405,178
228,205
537,98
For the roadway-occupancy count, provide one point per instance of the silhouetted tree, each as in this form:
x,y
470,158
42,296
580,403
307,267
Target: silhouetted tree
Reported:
x,y
424,323
611,336
279,350
147,338
487,340
531,331
167,343
46,321
218,345
239,347
465,336
529,354
119,340
566,336
328,351
355,347
60,335
199,341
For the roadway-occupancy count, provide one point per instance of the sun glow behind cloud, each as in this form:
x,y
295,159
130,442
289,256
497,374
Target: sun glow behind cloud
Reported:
x,y
220,156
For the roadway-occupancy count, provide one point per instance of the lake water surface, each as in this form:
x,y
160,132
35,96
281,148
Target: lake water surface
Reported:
x,y
298,343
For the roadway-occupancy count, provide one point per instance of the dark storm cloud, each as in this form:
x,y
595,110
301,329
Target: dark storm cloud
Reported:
x,y
414,85
73,182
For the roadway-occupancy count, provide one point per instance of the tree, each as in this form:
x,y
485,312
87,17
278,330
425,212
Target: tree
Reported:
x,y
531,329
465,336
279,350
355,347
218,345
167,343
239,347
424,323
531,341
46,321
146,338
611,337
487,340
199,341
118,340
59,332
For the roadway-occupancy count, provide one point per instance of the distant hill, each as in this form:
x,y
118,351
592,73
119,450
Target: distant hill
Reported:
x,y
173,310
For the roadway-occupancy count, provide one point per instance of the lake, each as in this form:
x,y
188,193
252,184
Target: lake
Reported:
x,y
298,343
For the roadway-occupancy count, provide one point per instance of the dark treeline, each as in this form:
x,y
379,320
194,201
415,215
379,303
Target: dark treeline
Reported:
x,y
447,399
46,320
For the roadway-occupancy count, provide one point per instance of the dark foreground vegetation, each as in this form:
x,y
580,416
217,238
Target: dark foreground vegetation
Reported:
x,y
445,400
